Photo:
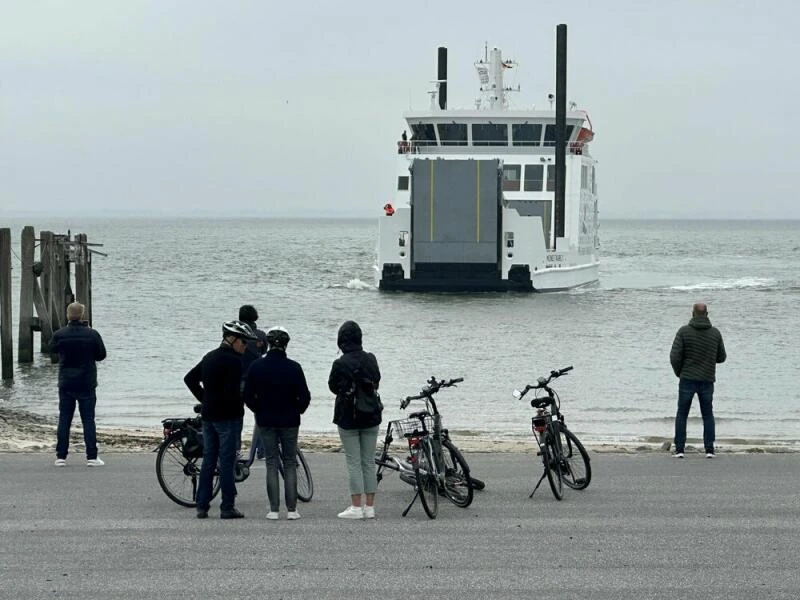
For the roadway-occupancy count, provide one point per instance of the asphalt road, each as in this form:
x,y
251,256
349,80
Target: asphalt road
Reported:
x,y
648,526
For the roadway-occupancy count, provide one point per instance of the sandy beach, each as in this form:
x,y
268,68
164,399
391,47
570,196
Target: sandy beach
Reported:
x,y
22,431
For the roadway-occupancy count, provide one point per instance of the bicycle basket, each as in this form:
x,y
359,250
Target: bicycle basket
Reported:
x,y
411,427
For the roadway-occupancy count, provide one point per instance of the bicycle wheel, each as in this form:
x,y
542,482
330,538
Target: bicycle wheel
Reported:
x,y
179,476
576,472
425,475
477,484
305,485
552,463
457,482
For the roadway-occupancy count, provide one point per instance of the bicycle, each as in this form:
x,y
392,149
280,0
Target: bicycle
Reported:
x,y
564,457
434,466
180,457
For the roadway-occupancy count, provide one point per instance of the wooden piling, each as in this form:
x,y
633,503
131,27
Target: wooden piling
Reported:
x,y
46,284
81,259
25,333
6,343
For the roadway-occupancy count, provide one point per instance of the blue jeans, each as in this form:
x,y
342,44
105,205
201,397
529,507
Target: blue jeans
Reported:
x,y
271,437
220,441
687,388
86,402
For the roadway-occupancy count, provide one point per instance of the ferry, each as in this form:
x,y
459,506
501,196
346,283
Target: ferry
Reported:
x,y
478,205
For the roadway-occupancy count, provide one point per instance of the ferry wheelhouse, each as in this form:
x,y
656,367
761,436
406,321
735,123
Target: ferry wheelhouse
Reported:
x,y
476,208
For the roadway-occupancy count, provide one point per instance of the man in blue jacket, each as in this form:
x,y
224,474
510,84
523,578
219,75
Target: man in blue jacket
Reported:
x,y
79,347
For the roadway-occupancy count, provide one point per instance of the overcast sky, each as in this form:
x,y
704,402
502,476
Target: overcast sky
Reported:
x,y
294,108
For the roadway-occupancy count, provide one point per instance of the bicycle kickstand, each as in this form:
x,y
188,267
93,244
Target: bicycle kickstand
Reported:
x,y
538,483
414,499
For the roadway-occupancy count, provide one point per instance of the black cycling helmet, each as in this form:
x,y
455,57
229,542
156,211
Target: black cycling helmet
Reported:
x,y
278,337
238,329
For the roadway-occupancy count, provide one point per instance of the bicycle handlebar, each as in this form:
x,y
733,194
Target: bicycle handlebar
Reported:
x,y
542,382
428,391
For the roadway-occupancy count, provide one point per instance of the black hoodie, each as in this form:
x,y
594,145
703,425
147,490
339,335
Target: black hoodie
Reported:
x,y
341,378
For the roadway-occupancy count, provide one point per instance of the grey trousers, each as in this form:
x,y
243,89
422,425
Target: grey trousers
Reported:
x,y
279,441
359,451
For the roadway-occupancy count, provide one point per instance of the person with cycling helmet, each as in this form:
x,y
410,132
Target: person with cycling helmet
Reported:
x,y
275,390
216,383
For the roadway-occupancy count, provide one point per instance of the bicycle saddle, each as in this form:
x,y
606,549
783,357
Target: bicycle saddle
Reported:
x,y
419,414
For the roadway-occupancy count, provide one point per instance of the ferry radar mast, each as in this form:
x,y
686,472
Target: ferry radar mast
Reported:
x,y
494,94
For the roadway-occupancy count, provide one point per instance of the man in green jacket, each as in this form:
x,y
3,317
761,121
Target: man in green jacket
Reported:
x,y
696,350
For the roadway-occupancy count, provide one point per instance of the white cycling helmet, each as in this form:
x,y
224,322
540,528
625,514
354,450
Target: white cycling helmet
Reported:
x,y
278,337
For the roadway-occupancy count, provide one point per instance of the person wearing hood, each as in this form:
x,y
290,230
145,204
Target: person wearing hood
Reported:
x,y
696,350
359,433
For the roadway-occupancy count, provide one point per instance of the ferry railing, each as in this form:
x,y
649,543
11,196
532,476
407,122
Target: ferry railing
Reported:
x,y
412,148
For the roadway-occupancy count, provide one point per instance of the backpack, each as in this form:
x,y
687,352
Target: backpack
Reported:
x,y
366,401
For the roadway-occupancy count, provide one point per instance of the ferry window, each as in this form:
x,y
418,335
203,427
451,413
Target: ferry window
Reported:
x,y
489,134
423,134
584,178
453,134
511,177
594,181
525,134
402,182
534,178
550,134
551,178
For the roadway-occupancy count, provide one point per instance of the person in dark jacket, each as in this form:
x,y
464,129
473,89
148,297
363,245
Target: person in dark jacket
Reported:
x,y
255,348
275,390
359,435
216,382
79,348
696,350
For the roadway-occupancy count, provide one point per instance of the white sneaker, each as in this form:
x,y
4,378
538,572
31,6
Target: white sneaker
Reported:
x,y
678,455
94,462
272,516
352,512
293,515
60,462
369,512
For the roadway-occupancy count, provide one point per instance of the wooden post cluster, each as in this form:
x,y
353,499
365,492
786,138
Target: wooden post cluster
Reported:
x,y
44,285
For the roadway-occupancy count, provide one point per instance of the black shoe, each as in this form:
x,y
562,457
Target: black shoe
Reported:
x,y
231,514
202,514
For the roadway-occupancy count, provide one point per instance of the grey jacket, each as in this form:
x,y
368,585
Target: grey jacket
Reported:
x,y
696,350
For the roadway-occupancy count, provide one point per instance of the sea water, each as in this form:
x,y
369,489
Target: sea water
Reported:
x,y
165,286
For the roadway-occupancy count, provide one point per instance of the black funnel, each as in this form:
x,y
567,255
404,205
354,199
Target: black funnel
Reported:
x,y
561,129
442,77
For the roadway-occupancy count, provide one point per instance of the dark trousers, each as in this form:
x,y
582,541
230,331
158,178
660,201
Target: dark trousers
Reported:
x,y
220,439
687,388
280,441
86,402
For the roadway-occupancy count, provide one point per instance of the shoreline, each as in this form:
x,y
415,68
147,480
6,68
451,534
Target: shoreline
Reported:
x,y
22,431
